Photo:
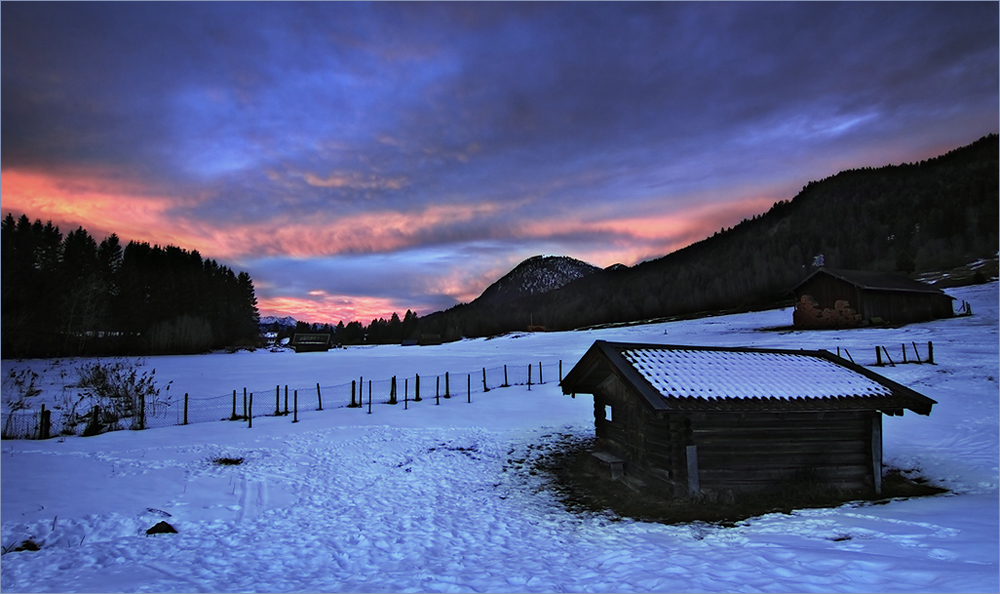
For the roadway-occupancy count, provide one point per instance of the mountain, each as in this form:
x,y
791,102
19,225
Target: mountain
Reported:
x,y
911,218
285,322
535,276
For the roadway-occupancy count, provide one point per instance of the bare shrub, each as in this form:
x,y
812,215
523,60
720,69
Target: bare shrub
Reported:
x,y
120,392
18,387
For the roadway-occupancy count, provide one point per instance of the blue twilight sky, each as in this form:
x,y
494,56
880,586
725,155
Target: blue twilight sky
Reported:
x,y
358,159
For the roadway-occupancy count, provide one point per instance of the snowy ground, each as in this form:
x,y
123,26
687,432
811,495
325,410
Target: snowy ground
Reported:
x,y
428,498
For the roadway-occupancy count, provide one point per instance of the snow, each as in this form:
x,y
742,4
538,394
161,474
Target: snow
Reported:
x,y
440,498
725,374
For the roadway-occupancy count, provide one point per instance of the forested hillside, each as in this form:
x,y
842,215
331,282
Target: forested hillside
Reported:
x,y
906,218
72,296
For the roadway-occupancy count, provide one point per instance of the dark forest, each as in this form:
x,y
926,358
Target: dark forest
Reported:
x,y
66,296
910,218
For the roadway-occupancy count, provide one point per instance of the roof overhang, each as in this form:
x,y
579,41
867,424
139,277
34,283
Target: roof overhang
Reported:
x,y
604,359
874,281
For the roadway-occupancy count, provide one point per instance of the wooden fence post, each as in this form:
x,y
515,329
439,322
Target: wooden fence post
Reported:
x,y
277,400
250,413
505,384
406,393
295,405
930,352
469,388
540,380
142,411
319,397
233,417
44,423
888,357
352,394
529,377
916,353
437,391
878,357
485,389
560,371
416,389
904,352
392,391
286,400
447,386
244,404
185,408
369,396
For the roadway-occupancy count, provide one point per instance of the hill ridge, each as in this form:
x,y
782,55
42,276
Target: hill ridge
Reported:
x,y
535,276
935,214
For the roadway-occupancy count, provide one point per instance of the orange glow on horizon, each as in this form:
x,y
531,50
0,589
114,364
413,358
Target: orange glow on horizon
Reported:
x,y
100,205
105,204
331,309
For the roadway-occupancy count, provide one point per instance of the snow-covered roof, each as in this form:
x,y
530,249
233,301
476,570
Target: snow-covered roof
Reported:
x,y
672,377
747,374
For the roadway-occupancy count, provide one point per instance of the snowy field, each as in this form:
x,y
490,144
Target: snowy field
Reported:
x,y
430,499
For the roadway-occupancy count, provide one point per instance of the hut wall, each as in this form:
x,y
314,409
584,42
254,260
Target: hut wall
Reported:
x,y
739,452
618,435
900,307
653,446
767,451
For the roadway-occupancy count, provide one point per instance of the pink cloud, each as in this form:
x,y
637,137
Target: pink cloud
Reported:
x,y
101,204
104,203
331,309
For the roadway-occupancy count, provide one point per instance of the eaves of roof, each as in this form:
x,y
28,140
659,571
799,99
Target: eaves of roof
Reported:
x,y
604,358
875,281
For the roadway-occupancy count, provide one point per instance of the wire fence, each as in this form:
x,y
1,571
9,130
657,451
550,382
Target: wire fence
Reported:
x,y
246,403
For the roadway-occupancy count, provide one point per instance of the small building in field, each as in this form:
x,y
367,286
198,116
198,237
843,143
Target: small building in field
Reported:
x,y
719,422
835,298
310,342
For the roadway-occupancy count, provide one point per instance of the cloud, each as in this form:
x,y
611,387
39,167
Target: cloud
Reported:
x,y
100,203
456,139
354,181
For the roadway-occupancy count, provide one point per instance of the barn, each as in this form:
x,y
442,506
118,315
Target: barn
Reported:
x,y
304,342
834,298
720,422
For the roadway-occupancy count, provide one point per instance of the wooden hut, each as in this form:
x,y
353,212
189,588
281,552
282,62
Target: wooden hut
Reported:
x,y
833,298
304,342
722,421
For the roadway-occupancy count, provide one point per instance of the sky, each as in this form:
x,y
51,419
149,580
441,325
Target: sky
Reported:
x,y
363,159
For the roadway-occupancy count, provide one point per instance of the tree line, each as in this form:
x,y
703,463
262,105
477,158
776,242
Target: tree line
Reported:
x,y
933,215
379,331
69,295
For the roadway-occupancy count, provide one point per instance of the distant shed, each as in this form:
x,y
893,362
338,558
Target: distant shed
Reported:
x,y
834,298
310,342
721,421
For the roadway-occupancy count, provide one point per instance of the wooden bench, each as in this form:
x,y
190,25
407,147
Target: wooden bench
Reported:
x,y
615,464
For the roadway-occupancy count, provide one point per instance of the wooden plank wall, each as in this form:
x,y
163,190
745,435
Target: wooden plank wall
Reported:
x,y
759,452
739,452
621,435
